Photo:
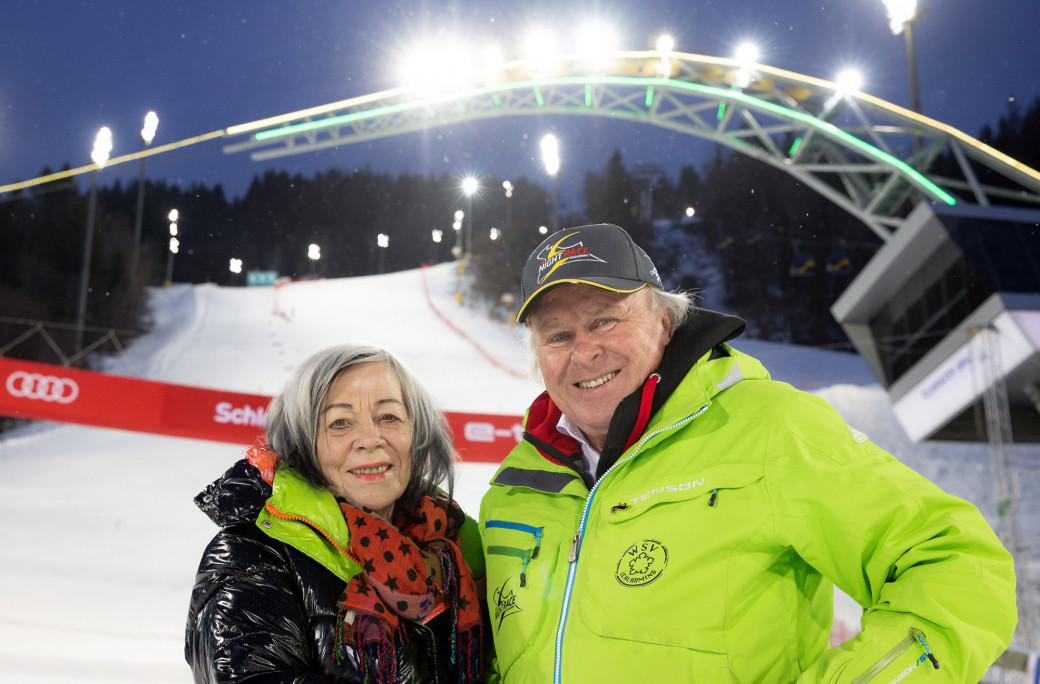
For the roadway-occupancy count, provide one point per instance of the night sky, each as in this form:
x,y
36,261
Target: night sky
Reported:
x,y
68,67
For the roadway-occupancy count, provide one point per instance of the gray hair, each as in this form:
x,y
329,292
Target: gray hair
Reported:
x,y
293,421
678,305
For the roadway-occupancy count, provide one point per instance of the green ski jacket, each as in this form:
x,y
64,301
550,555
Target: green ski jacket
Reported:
x,y
707,550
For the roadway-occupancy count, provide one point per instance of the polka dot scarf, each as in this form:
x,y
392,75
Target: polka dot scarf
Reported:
x,y
411,570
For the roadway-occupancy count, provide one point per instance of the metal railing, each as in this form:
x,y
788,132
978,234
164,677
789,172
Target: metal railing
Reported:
x,y
48,331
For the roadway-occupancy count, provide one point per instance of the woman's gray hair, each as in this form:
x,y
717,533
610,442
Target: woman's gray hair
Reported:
x,y
678,305
293,421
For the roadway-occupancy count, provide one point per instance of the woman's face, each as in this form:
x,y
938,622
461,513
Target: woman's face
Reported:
x,y
365,438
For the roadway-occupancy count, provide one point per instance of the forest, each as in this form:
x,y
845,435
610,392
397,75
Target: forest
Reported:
x,y
783,252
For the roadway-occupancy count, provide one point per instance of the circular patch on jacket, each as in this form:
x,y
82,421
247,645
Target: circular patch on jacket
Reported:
x,y
641,563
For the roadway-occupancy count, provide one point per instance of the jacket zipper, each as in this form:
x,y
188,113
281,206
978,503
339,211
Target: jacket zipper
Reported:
x,y
285,516
431,650
535,532
513,551
915,635
579,535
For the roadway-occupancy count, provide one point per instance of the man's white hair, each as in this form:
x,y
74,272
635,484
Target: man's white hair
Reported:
x,y
678,305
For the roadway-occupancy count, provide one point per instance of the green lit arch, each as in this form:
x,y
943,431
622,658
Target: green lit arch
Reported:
x,y
873,158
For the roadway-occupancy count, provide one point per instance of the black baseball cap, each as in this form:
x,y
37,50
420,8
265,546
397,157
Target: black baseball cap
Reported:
x,y
602,255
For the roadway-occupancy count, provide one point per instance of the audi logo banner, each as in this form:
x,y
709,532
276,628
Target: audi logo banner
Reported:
x,y
26,385
40,391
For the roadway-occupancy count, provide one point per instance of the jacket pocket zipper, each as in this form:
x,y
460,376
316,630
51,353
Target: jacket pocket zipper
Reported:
x,y
522,554
535,532
915,636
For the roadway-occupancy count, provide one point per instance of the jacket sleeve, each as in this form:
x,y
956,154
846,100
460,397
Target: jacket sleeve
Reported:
x,y
246,619
936,585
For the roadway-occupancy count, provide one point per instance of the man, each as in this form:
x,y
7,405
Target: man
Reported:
x,y
673,515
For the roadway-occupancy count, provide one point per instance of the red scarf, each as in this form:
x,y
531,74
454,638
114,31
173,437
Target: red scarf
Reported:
x,y
397,582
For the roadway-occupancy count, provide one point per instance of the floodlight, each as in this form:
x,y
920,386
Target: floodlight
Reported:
x,y
174,214
747,54
102,147
151,123
469,185
437,67
551,154
665,43
900,13
491,61
849,81
596,42
540,49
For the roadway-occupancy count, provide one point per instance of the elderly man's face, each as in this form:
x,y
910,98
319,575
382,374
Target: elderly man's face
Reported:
x,y
595,347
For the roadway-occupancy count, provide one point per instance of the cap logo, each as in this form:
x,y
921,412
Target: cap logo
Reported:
x,y
557,254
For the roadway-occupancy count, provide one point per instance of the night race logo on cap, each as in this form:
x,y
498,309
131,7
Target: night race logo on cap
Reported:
x,y
557,254
602,255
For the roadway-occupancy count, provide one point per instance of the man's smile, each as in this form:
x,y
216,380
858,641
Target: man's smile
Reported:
x,y
589,384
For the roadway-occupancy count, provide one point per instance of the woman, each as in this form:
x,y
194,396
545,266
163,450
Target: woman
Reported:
x,y
338,559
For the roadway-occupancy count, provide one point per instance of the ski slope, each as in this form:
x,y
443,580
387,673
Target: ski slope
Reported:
x,y
100,538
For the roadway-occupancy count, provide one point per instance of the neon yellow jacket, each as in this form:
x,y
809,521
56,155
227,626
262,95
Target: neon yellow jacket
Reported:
x,y
707,553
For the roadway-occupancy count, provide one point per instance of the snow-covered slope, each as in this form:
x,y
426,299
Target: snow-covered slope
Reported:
x,y
100,538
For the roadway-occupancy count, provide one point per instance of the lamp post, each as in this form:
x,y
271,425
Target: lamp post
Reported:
x,y
551,158
456,225
437,235
314,254
509,205
469,186
102,148
901,17
383,241
175,244
151,122
235,266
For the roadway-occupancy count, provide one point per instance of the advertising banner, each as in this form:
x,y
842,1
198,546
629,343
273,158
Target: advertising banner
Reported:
x,y
40,391
45,392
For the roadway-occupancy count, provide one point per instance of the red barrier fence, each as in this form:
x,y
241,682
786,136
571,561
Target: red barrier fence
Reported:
x,y
44,392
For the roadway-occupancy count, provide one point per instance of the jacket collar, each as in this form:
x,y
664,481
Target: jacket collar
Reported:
x,y
705,332
235,497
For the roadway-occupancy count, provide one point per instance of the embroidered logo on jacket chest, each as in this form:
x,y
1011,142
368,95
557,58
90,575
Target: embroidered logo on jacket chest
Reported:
x,y
641,563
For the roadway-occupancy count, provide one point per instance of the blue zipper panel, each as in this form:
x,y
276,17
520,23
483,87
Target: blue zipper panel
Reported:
x,y
579,536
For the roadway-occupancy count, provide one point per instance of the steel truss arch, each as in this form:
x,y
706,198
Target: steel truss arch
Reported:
x,y
873,158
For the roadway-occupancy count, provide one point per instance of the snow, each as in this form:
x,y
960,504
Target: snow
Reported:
x,y
100,536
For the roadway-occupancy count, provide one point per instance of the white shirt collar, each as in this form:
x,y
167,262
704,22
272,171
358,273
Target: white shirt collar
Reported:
x,y
589,455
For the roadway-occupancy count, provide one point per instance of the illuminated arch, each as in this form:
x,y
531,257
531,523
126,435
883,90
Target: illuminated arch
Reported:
x,y
873,158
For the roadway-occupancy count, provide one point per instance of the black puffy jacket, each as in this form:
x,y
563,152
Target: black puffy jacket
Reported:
x,y
263,611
